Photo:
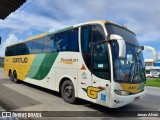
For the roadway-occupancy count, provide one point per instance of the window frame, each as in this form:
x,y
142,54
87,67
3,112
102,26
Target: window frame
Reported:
x,y
108,58
59,38
91,37
32,43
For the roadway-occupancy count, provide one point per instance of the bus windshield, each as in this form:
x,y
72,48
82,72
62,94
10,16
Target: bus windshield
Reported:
x,y
127,35
131,68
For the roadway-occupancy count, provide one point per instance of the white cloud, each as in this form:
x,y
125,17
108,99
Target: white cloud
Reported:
x,y
29,21
10,40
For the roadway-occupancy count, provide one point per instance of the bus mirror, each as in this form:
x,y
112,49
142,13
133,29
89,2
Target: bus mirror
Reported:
x,y
153,51
121,43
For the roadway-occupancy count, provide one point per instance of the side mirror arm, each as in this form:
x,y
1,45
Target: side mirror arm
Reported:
x,y
153,51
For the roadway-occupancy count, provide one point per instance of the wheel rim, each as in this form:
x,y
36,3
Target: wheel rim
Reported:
x,y
68,91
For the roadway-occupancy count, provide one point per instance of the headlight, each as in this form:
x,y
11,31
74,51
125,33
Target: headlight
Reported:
x,y
121,92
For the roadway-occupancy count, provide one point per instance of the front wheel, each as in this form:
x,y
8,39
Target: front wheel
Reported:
x,y
68,92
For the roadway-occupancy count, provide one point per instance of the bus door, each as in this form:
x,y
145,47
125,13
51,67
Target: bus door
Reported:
x,y
100,89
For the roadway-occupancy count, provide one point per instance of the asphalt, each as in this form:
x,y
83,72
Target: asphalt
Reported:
x,y
27,97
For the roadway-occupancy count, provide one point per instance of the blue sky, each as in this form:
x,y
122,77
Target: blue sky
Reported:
x,y
140,16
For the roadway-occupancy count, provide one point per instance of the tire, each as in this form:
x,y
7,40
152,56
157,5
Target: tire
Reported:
x,y
68,92
15,80
10,76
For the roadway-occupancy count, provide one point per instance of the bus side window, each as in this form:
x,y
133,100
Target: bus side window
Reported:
x,y
86,39
68,40
49,44
97,33
27,47
9,53
86,45
63,39
101,61
73,40
37,46
15,50
57,40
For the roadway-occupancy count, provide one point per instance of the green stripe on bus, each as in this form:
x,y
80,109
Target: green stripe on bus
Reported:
x,y
46,65
35,65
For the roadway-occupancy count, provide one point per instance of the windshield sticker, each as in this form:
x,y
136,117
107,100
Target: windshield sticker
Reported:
x,y
100,65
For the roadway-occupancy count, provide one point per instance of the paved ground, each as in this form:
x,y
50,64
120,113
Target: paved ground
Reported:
x,y
26,97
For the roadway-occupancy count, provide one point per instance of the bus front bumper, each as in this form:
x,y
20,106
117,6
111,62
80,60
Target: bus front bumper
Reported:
x,y
119,101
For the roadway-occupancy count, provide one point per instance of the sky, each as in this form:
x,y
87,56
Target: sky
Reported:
x,y
39,16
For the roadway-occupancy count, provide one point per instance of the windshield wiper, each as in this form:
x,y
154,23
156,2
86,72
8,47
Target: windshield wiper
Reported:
x,y
132,74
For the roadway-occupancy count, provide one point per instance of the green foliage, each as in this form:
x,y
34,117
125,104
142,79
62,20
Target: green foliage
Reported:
x,y
153,82
1,65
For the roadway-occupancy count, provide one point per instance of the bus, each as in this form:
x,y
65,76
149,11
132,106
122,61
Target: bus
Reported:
x,y
152,72
98,61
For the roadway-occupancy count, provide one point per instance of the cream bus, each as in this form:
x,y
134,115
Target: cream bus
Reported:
x,y
98,61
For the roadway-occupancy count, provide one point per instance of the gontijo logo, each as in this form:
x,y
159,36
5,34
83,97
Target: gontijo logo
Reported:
x,y
92,92
20,60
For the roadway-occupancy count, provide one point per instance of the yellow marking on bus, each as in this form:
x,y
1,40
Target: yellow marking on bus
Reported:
x,y
97,21
92,92
133,88
66,62
24,67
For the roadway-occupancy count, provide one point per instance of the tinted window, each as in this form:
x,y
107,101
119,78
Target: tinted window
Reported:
x,y
15,50
86,39
126,34
73,40
26,48
67,41
101,61
91,34
19,49
37,46
8,51
50,45
97,33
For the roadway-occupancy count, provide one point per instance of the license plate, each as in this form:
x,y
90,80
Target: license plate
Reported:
x,y
137,98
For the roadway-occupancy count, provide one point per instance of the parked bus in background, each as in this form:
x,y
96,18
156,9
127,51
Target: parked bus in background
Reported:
x,y
153,72
98,61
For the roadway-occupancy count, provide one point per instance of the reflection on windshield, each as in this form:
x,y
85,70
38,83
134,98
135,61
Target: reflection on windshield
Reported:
x,y
130,68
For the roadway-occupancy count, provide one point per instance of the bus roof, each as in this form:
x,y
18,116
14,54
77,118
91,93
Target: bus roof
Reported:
x,y
67,28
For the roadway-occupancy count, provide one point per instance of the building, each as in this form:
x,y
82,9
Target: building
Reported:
x,y
149,62
152,68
